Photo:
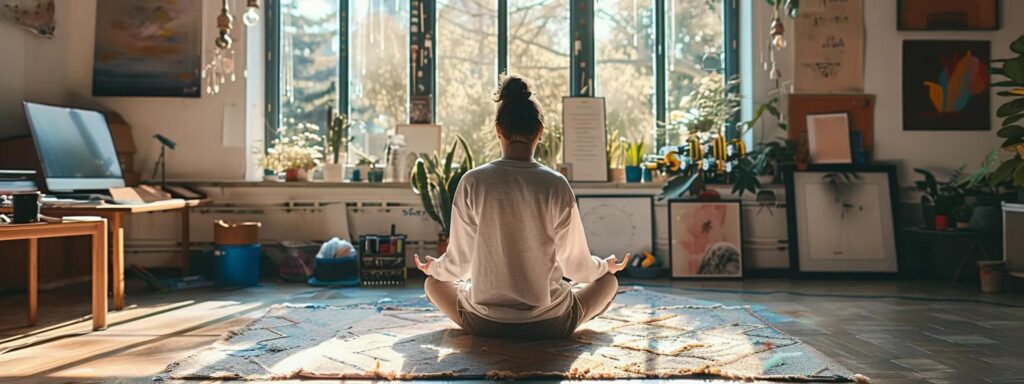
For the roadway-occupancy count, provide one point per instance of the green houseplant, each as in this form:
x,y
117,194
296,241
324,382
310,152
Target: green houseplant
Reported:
x,y
939,199
295,151
634,159
338,128
1012,113
435,181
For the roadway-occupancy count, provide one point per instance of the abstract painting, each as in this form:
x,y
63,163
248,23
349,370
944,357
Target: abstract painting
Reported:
x,y
616,224
705,238
148,48
34,15
948,15
946,85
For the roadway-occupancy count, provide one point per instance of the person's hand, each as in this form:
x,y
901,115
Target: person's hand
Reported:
x,y
424,266
615,266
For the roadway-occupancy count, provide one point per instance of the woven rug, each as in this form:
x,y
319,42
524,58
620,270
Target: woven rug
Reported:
x,y
643,335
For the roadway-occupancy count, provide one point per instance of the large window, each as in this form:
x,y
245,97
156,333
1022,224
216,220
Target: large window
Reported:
x,y
538,49
378,73
624,51
647,57
694,37
467,61
309,61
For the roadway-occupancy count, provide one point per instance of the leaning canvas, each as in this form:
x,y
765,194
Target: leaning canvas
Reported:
x,y
151,48
706,239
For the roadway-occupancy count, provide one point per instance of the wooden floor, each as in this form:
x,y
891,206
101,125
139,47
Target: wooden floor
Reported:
x,y
893,332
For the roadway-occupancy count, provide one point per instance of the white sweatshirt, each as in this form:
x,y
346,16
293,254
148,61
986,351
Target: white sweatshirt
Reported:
x,y
515,233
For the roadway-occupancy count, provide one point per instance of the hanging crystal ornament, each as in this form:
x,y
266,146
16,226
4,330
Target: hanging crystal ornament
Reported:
x,y
252,13
776,42
221,67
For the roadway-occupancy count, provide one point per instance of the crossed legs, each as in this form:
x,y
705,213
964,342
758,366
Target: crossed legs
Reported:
x,y
595,297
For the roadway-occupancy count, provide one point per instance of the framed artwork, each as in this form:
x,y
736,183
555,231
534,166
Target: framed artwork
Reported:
x,y
949,15
616,224
34,15
148,48
828,138
420,139
946,85
706,239
842,225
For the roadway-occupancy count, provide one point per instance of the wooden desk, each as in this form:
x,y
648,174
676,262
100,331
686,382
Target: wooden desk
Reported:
x,y
33,232
115,213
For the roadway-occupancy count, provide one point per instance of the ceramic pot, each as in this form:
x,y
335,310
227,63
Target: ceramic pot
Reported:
x,y
294,175
963,225
991,275
442,243
941,222
334,172
766,179
633,174
617,175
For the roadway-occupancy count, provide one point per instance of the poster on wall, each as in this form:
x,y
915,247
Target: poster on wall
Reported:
x,y
584,146
949,15
151,48
34,15
946,85
706,238
829,44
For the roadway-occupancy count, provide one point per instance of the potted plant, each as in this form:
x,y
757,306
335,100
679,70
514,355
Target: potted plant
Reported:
x,y
615,151
435,181
701,120
1011,170
338,128
962,216
294,152
939,199
363,167
634,152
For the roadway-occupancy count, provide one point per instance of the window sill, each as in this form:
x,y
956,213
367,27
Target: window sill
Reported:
x,y
363,185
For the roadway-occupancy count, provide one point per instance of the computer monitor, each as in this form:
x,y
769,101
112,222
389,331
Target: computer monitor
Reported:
x,y
76,150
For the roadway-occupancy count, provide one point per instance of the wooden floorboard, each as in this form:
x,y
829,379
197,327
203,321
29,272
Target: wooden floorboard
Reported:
x,y
894,332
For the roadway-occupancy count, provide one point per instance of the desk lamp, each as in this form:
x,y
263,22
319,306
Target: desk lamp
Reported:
x,y
161,162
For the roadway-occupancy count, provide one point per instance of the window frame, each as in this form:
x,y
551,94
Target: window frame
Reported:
x,y
581,16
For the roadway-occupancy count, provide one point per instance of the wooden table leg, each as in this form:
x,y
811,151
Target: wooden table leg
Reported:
x,y
117,260
99,278
185,241
33,280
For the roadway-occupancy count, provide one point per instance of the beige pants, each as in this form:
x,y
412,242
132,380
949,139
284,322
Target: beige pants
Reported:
x,y
588,302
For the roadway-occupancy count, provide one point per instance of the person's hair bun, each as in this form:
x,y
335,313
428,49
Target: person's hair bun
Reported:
x,y
512,88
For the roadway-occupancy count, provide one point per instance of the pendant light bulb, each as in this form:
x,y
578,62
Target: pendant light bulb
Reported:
x,y
252,13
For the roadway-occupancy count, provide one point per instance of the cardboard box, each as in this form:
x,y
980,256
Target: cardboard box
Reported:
x,y
225,233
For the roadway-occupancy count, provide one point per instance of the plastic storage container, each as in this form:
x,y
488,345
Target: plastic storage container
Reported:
x,y
238,265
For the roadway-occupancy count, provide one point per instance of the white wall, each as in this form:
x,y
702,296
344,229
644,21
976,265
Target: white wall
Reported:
x,y
59,71
942,151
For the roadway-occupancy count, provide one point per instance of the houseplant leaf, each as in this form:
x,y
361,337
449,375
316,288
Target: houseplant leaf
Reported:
x,y
1018,46
1011,108
1005,171
1013,119
1014,69
677,186
1011,131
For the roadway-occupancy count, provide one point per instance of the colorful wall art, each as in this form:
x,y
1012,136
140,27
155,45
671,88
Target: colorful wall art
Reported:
x,y
706,238
946,85
150,48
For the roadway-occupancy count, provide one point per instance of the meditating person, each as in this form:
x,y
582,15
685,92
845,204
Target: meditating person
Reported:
x,y
516,235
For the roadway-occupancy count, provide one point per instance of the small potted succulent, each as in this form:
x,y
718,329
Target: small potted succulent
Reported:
x,y
365,165
615,150
634,159
294,152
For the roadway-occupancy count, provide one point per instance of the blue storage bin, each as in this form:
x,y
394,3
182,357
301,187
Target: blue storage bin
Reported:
x,y
238,265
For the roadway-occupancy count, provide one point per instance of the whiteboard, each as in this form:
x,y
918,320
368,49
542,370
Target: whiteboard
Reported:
x,y
616,224
584,147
